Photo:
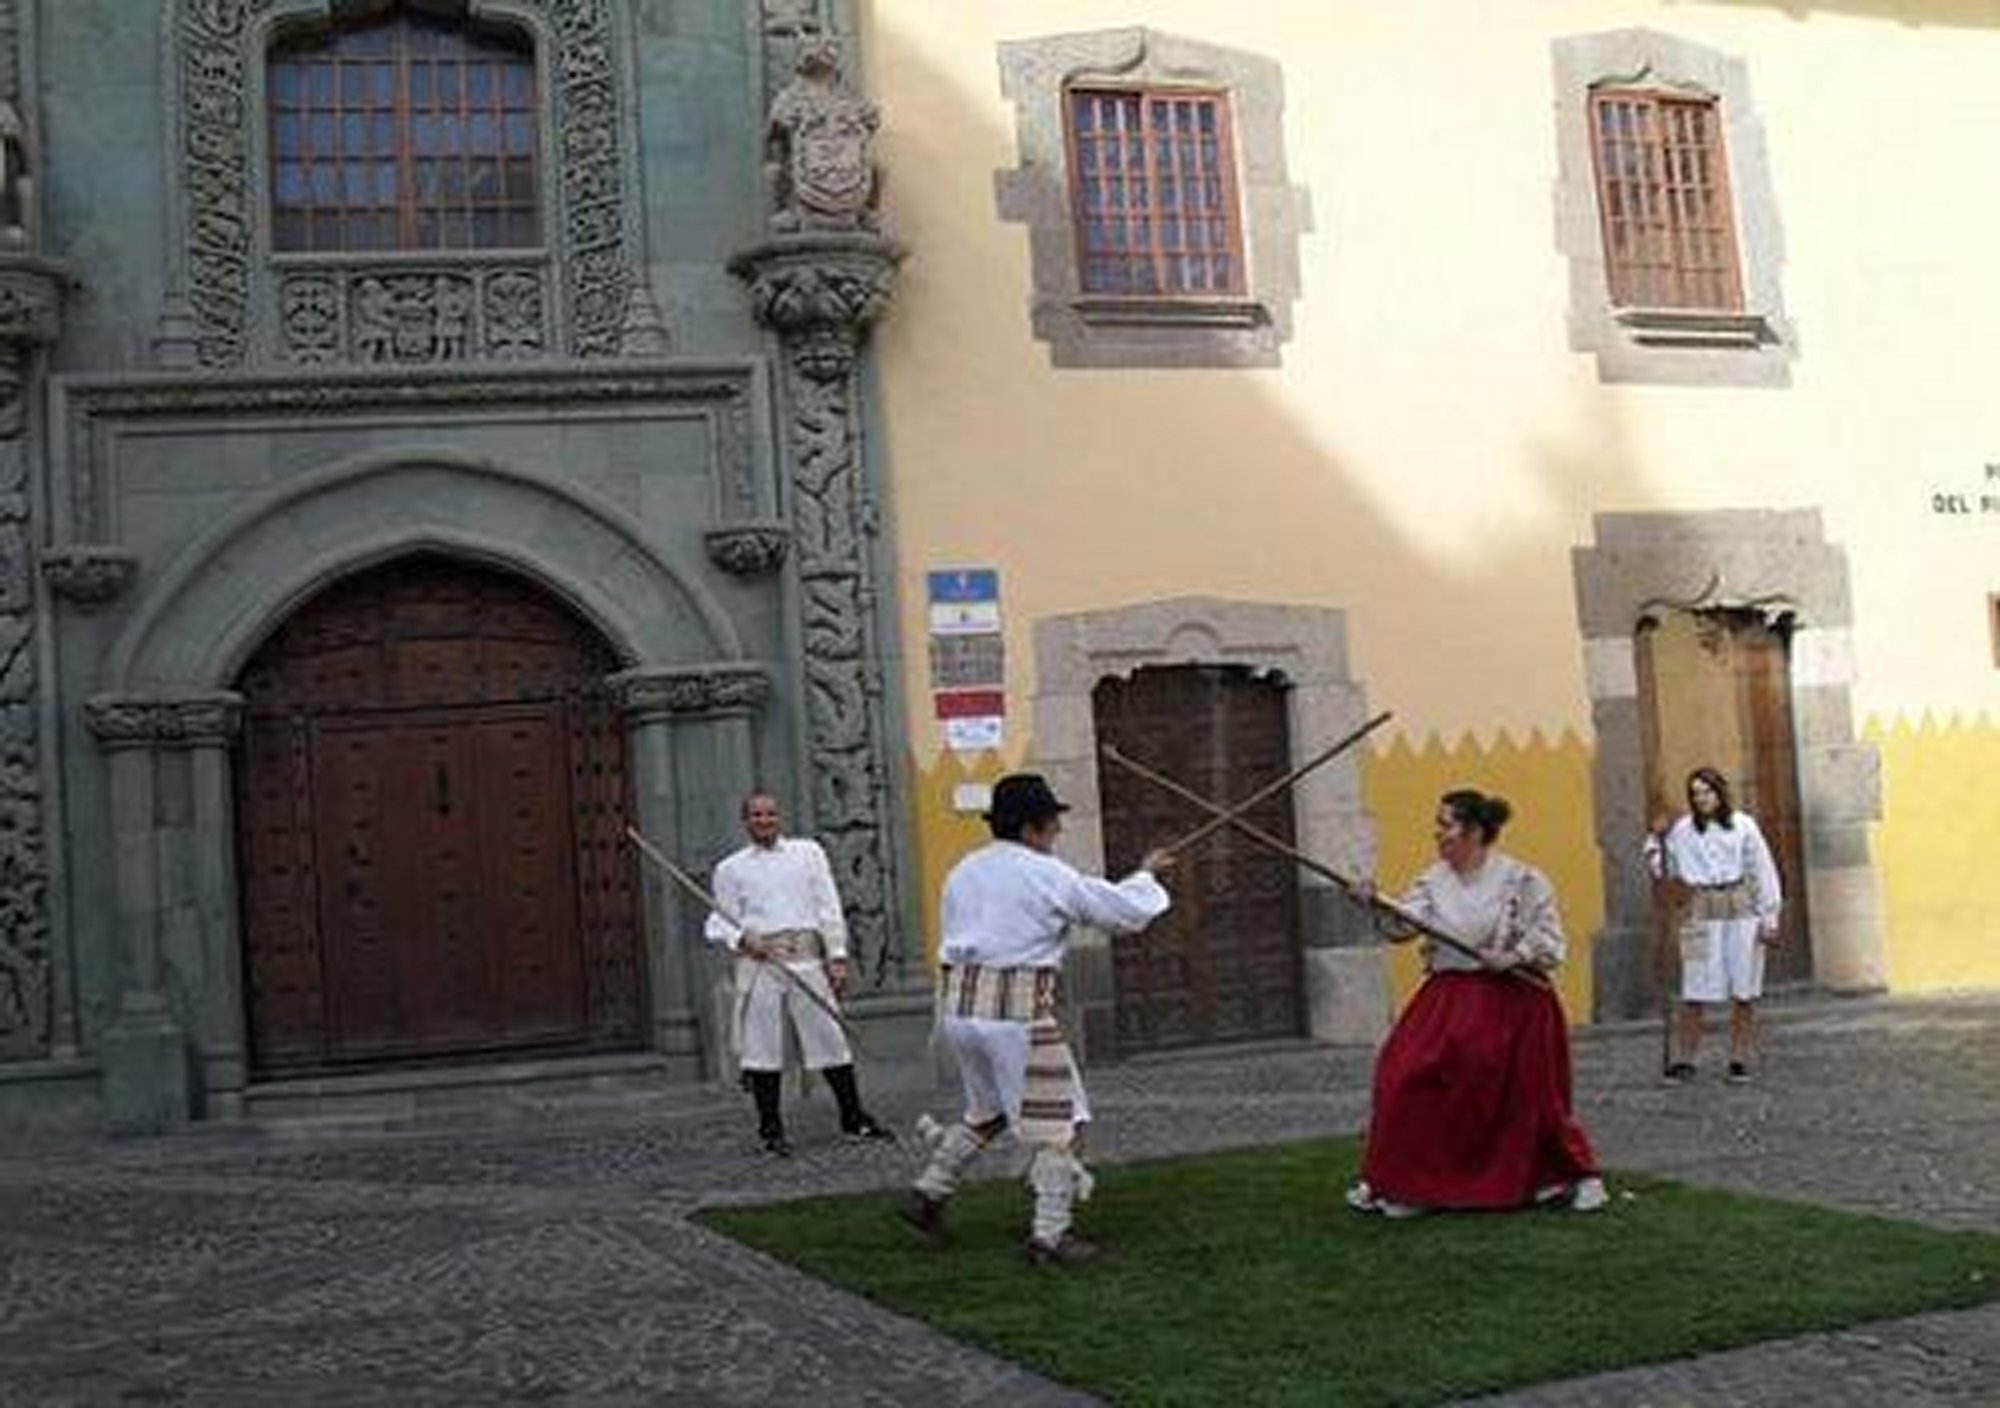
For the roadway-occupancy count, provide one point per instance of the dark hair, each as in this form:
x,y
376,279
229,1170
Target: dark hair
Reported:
x,y
1477,810
1725,809
1020,800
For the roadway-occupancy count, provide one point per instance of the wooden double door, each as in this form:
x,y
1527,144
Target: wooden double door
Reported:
x,y
1223,965
431,798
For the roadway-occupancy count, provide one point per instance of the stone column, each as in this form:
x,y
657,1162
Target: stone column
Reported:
x,y
820,292
164,755
692,758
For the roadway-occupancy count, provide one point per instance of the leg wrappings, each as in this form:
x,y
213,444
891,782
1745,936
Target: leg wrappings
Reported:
x,y
1060,1182
952,1147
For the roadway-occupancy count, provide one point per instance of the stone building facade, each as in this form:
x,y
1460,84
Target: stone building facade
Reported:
x,y
436,444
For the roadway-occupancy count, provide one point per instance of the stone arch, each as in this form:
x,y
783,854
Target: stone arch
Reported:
x,y
1347,995
222,594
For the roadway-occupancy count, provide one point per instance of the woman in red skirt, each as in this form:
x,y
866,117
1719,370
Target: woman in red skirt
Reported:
x,y
1472,1088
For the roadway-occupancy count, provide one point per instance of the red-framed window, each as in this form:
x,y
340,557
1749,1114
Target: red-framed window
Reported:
x,y
1663,201
407,134
1153,192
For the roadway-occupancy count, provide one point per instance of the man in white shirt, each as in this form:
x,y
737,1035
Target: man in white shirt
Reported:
x,y
779,913
1007,909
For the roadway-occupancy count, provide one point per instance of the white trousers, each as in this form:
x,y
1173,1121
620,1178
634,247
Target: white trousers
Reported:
x,y
1721,961
992,1061
765,1002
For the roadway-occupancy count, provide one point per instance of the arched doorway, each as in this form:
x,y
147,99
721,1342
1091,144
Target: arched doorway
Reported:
x,y
1223,964
1715,691
430,804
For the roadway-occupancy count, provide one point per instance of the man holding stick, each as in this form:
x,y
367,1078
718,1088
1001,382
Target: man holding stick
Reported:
x,y
776,908
1007,910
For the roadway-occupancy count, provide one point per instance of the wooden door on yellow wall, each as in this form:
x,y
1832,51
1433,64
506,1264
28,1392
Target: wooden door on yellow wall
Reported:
x,y
1715,691
1223,964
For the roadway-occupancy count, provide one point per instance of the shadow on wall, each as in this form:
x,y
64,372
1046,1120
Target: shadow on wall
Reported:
x,y
1245,503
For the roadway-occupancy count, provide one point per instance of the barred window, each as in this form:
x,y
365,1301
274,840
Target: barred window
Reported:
x,y
1663,201
1153,191
408,134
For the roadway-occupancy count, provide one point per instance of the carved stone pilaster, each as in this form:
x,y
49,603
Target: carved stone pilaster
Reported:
x,y
164,721
691,691
31,296
819,292
88,574
749,549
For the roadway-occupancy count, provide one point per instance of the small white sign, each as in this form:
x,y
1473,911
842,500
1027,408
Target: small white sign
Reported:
x,y
972,798
973,735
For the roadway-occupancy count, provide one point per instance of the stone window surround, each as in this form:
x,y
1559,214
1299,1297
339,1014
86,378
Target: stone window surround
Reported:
x,y
1753,347
1777,561
1345,981
1086,331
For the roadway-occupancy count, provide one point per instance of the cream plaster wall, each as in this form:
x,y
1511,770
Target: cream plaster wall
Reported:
x,y
1430,449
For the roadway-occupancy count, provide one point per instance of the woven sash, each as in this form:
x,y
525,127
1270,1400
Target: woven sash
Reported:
x,y
1028,995
1707,902
794,946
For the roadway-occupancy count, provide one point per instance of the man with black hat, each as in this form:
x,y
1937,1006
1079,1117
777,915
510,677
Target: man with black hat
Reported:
x,y
1007,910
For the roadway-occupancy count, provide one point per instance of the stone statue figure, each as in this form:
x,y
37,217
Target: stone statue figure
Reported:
x,y
818,148
17,186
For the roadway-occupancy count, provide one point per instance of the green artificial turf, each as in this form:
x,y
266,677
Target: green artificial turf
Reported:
x,y
1241,1279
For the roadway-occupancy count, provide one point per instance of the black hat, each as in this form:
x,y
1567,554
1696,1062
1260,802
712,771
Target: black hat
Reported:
x,y
1022,798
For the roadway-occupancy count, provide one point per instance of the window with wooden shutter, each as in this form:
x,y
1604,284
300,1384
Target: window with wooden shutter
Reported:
x,y
1663,201
409,134
1154,195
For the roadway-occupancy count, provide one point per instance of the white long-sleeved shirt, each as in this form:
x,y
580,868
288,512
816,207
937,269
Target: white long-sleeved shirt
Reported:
x,y
1506,906
788,885
1010,906
1720,855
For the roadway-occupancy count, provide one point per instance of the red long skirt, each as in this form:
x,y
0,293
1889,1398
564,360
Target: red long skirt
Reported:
x,y
1472,1097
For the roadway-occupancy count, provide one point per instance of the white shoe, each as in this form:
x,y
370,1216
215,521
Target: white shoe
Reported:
x,y
1362,1198
1390,1209
1590,1195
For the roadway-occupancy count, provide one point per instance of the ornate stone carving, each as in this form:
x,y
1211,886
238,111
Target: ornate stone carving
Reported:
x,y
694,690
748,549
156,721
17,181
88,574
31,297
216,46
819,292
418,315
819,147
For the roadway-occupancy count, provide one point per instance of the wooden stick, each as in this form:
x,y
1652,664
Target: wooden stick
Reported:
x,y
694,887
1349,887
1271,789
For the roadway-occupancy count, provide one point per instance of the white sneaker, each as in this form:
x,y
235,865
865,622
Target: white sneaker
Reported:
x,y
1390,1209
1362,1198
1590,1195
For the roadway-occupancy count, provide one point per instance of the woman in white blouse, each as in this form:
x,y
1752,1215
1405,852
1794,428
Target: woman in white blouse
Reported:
x,y
1718,855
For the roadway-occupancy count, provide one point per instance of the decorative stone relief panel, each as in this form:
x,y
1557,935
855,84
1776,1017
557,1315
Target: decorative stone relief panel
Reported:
x,y
216,56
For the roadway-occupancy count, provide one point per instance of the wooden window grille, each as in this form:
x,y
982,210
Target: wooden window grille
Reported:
x,y
1663,201
409,134
1153,191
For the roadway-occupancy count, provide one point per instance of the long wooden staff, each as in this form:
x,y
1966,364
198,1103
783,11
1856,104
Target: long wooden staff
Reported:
x,y
1271,789
695,888
1347,886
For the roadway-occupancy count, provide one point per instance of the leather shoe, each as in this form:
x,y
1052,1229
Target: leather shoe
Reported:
x,y
924,1213
1067,1251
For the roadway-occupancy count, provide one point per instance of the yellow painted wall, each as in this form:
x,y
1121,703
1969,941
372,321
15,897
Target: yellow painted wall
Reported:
x,y
1430,452
1941,811
1548,785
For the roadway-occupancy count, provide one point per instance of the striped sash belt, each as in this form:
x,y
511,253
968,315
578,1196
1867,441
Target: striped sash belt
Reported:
x,y
1031,996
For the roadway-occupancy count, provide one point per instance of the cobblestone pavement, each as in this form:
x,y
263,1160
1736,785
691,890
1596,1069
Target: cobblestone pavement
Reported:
x,y
526,1253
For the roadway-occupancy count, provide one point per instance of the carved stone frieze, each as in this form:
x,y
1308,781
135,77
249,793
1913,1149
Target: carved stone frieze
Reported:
x,y
750,549
88,574
216,45
692,691
31,299
156,721
413,315
819,293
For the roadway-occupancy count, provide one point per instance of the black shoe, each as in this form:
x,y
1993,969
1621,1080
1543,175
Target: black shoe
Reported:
x,y
1739,1074
1679,1073
776,1145
866,1128
1069,1250
925,1213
